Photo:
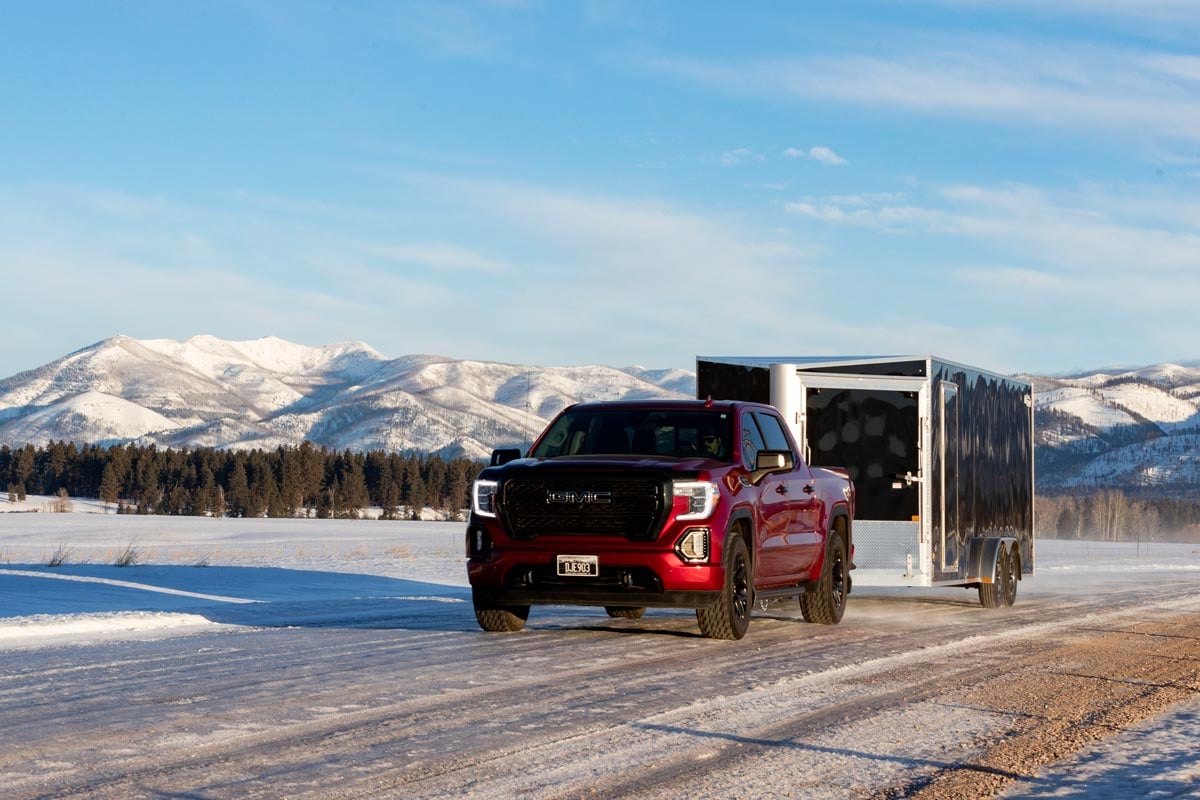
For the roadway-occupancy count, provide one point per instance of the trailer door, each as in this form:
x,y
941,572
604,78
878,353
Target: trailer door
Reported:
x,y
872,426
948,537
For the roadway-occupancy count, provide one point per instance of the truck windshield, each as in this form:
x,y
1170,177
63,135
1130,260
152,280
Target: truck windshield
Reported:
x,y
644,432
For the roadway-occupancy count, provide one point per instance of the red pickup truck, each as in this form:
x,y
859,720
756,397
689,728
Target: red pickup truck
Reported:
x,y
677,504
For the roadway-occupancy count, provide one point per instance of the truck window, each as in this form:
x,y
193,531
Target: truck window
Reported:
x,y
752,440
772,432
675,433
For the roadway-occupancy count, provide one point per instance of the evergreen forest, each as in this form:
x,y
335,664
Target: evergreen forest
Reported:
x,y
301,481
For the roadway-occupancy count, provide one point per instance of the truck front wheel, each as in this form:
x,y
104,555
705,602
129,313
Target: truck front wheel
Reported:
x,y
729,617
500,619
827,602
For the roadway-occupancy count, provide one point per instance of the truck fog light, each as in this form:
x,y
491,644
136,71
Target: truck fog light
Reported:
x,y
693,546
479,543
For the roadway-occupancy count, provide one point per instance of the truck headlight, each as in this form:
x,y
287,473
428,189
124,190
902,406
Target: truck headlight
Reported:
x,y
701,498
483,498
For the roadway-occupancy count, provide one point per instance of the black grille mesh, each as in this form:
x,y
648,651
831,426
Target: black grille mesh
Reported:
x,y
634,510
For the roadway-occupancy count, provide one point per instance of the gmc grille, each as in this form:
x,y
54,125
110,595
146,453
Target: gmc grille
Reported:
x,y
636,508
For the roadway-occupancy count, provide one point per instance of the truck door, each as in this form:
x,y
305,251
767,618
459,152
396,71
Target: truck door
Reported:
x,y
799,542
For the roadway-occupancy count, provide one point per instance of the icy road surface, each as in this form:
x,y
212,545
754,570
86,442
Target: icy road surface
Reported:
x,y
339,660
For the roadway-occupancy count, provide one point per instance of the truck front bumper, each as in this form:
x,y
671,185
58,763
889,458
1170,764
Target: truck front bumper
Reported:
x,y
646,578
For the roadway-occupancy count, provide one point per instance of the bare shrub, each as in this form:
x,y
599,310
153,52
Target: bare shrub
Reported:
x,y
62,503
60,556
127,557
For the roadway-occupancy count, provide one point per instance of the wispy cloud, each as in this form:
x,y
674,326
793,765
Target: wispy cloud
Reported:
x,y
449,30
439,256
1092,236
1143,13
1062,85
740,155
818,153
614,275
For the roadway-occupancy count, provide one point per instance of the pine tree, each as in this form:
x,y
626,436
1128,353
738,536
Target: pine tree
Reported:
x,y
239,491
416,497
110,484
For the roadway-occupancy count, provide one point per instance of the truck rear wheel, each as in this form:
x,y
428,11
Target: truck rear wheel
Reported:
x,y
624,613
500,619
827,604
729,617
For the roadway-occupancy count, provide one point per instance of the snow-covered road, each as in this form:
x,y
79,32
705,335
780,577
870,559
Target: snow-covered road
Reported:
x,y
328,659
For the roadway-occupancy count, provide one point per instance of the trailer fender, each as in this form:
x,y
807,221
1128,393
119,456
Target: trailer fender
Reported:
x,y
983,555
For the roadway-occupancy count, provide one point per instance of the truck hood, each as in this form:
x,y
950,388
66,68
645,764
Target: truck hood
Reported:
x,y
616,462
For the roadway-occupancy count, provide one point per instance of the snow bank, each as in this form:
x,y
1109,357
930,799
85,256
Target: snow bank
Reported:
x,y
193,573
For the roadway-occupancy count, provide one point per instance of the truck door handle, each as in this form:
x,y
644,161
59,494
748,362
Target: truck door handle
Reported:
x,y
808,488
782,488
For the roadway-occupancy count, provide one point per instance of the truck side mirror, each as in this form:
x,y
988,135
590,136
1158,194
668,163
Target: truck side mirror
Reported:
x,y
774,461
505,455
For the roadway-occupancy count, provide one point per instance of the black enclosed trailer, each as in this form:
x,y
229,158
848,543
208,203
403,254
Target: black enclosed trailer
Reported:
x,y
941,456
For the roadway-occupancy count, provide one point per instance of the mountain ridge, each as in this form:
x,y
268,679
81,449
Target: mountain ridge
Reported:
x,y
1135,428
205,391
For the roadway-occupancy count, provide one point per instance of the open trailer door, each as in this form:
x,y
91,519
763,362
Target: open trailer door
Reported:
x,y
877,427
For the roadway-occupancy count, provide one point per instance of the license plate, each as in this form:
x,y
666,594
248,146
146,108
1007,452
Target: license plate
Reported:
x,y
581,566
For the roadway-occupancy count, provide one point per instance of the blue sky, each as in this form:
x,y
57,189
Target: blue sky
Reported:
x,y
567,183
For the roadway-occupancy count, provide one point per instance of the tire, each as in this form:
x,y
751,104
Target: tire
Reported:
x,y
729,617
991,595
500,619
827,604
1012,576
624,613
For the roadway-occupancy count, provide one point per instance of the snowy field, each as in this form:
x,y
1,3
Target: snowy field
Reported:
x,y
191,575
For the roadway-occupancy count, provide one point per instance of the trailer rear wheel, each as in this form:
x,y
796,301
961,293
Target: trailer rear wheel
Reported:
x,y
827,604
624,613
991,595
1012,575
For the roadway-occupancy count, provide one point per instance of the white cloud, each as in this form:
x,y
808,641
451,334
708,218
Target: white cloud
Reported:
x,y
818,153
598,279
1121,239
449,30
741,155
1129,14
869,211
436,255
1060,84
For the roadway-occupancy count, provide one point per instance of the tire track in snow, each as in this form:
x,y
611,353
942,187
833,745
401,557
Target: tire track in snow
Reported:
x,y
522,678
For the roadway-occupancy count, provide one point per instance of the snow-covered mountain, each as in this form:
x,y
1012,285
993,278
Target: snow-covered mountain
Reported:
x,y
1136,429
206,391
1133,429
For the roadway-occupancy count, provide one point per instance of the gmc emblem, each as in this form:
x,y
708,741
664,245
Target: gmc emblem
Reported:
x,y
555,496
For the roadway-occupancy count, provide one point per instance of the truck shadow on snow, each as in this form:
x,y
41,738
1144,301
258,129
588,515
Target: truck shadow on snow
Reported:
x,y
264,597
275,597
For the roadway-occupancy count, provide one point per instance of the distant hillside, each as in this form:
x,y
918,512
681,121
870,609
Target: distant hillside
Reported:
x,y
1137,430
206,391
